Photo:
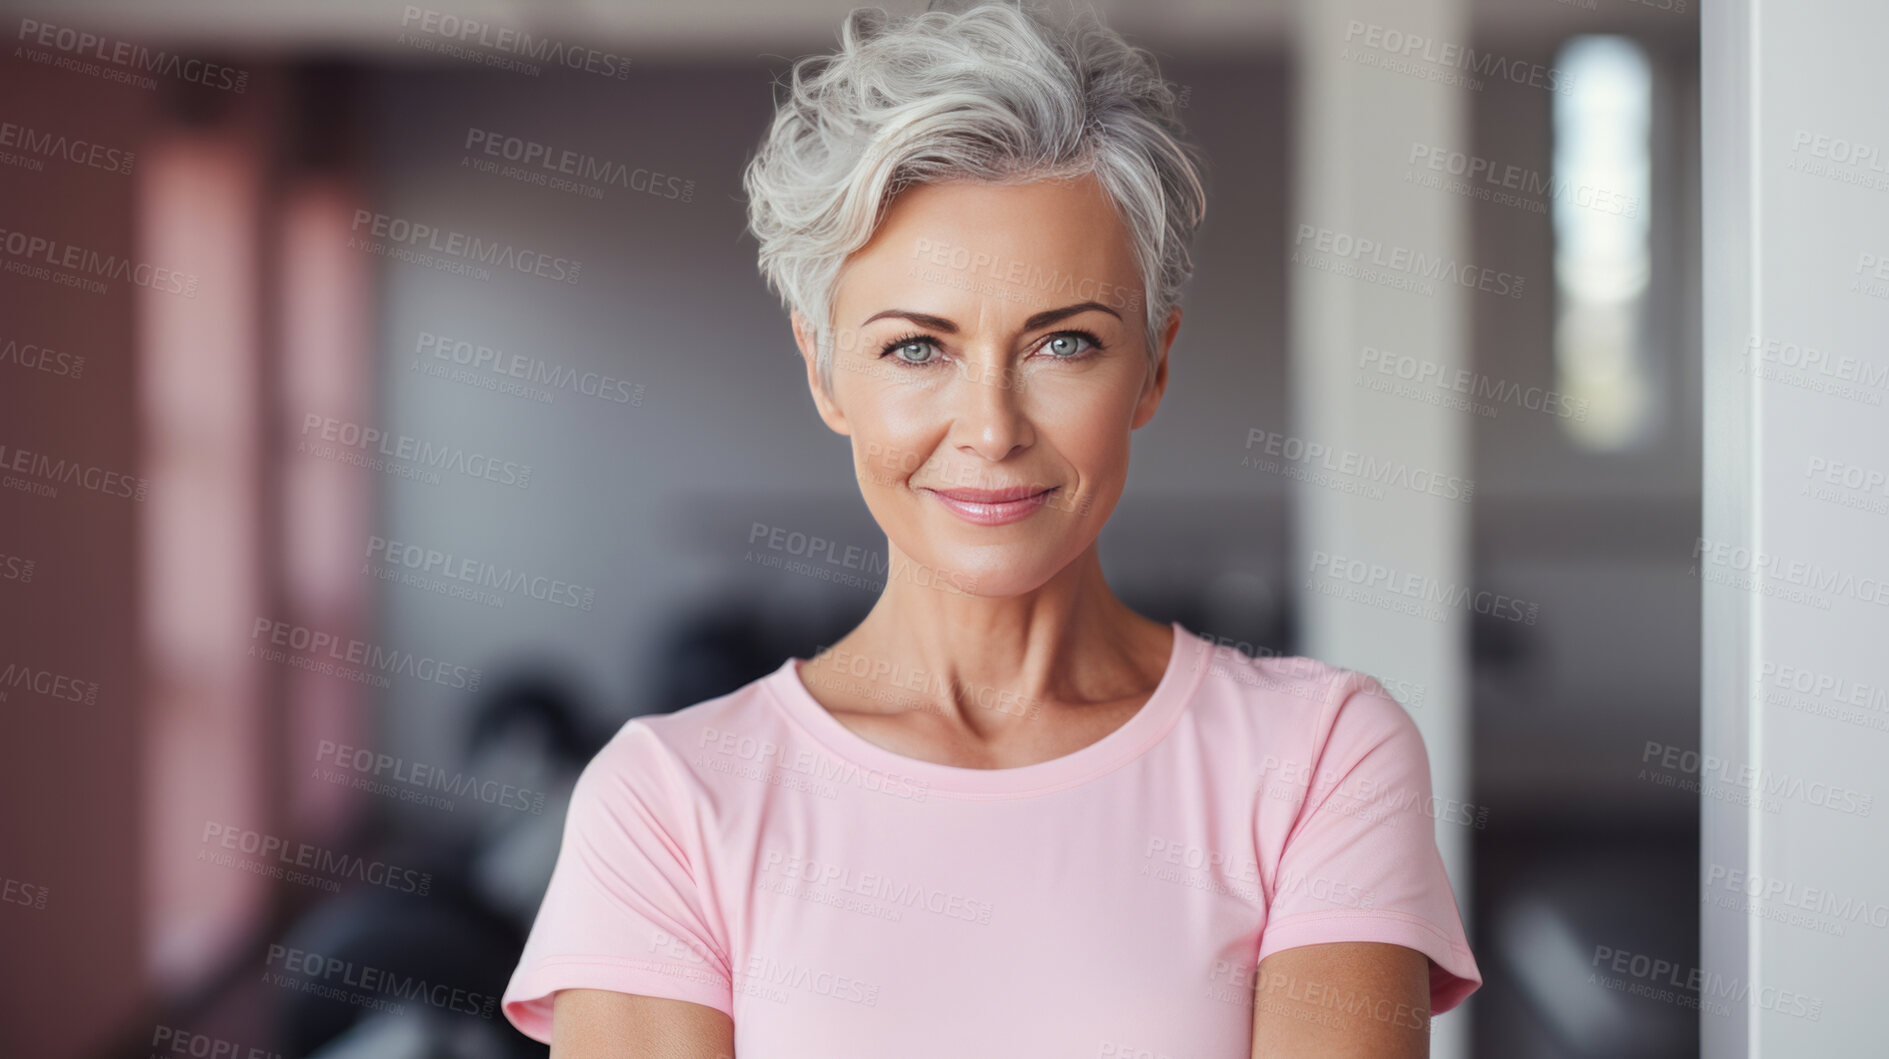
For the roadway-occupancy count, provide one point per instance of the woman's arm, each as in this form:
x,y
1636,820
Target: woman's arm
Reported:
x,y
1362,999
599,1024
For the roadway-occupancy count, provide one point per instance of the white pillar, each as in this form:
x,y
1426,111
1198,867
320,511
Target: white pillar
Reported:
x,y
1795,677
1359,113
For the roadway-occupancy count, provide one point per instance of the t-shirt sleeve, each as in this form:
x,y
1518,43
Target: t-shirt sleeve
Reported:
x,y
1360,862
624,910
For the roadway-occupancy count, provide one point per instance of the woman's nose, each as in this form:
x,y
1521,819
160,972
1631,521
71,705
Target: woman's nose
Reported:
x,y
989,415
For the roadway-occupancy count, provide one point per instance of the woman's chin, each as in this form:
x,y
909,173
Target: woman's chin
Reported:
x,y
992,571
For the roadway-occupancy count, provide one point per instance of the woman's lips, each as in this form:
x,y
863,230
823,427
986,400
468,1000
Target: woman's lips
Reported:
x,y
992,507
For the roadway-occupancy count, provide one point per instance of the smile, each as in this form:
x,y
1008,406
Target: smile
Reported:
x,y
991,507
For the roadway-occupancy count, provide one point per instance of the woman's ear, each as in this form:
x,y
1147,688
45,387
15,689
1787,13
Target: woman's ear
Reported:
x,y
823,402
1157,384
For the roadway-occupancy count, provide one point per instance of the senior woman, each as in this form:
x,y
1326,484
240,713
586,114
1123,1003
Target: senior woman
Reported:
x,y
1006,815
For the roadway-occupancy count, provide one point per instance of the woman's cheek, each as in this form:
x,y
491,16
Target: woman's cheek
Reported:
x,y
887,461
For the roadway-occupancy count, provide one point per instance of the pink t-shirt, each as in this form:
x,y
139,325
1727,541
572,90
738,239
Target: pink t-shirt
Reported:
x,y
837,899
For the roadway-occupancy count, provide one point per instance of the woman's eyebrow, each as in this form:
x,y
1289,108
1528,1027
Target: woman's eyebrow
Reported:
x,y
1042,319
936,323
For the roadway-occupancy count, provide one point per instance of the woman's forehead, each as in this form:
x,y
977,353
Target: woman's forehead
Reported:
x,y
1012,249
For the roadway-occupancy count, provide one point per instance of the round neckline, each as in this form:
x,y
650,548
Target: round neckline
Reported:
x,y
1135,735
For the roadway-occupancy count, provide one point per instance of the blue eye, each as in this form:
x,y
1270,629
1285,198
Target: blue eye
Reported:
x,y
1063,345
902,346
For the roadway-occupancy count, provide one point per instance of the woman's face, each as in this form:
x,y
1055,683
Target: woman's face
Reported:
x,y
989,364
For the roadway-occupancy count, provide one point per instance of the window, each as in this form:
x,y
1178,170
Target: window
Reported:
x,y
1603,256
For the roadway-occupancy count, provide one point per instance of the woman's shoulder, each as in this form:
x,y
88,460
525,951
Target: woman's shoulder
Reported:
x,y
1299,691
1259,676
737,725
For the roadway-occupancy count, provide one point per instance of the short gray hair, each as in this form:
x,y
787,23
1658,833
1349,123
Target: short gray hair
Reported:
x,y
995,93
